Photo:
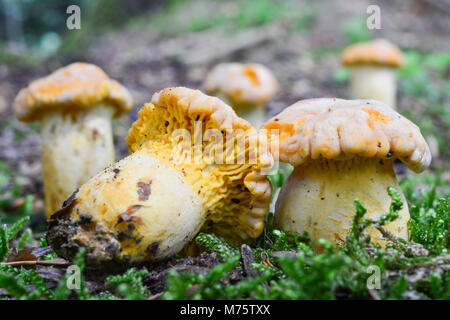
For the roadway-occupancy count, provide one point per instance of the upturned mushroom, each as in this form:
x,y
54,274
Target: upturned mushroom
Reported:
x,y
149,205
342,150
246,87
372,70
74,105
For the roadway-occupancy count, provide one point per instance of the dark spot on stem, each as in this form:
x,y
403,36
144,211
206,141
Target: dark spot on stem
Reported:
x,y
122,234
94,134
144,190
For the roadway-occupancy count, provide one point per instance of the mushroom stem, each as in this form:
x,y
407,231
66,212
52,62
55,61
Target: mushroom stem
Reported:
x,y
256,115
138,209
75,146
318,198
374,82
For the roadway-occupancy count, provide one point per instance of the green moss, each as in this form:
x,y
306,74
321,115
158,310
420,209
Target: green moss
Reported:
x,y
331,274
129,285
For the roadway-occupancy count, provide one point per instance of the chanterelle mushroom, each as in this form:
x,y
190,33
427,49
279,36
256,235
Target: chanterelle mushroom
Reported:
x,y
342,150
247,87
75,105
148,205
373,65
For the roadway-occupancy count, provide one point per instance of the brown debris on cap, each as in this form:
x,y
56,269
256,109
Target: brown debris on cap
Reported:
x,y
378,52
332,128
78,85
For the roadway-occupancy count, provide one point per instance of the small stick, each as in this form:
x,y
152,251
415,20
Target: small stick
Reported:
x,y
53,262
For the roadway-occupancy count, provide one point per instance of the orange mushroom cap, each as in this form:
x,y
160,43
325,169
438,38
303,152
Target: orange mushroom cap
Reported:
x,y
332,128
78,85
378,52
243,84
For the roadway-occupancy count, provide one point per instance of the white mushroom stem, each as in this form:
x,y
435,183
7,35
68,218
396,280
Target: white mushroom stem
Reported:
x,y
318,198
150,208
374,82
256,115
75,146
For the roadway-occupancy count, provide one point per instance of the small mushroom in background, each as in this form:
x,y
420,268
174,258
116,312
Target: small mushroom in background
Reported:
x,y
74,105
342,150
372,70
148,206
246,87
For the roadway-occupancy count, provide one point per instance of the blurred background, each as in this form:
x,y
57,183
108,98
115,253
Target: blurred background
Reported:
x,y
150,45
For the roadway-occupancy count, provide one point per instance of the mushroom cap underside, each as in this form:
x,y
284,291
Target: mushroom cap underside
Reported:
x,y
235,194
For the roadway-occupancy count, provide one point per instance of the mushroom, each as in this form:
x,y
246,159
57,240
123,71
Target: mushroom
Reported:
x,y
74,105
342,150
372,74
246,87
149,205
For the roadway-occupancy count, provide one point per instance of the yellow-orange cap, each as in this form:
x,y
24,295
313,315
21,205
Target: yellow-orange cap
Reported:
x,y
330,128
243,84
78,85
378,52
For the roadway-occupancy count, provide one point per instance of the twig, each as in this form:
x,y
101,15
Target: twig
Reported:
x,y
53,262
388,235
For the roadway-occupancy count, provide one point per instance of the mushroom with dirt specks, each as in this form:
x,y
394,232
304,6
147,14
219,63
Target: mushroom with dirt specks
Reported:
x,y
74,105
373,65
247,87
342,150
167,198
